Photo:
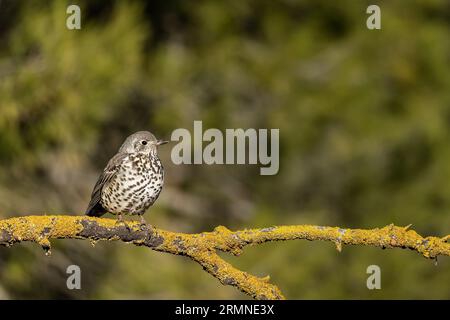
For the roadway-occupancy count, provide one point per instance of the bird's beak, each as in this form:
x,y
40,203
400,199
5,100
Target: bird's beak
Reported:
x,y
160,142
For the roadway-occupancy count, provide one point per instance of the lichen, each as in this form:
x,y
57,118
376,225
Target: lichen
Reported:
x,y
202,247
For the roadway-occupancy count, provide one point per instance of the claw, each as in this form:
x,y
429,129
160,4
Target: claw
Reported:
x,y
145,225
120,220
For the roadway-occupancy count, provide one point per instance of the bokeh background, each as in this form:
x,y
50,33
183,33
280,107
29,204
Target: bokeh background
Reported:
x,y
364,119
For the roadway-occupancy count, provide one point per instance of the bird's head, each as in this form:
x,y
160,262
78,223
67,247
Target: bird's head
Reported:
x,y
141,142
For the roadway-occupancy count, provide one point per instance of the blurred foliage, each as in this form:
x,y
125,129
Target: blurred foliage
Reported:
x,y
364,120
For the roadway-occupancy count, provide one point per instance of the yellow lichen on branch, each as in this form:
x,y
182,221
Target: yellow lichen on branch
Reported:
x,y
202,247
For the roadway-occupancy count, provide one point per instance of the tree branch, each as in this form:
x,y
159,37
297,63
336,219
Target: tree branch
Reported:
x,y
202,247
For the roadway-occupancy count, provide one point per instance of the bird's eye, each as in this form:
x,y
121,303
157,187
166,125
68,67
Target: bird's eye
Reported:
x,y
144,142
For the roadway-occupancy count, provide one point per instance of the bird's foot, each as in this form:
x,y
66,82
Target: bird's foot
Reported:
x,y
145,225
120,220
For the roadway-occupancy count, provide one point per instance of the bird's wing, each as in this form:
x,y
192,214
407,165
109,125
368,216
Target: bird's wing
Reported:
x,y
108,173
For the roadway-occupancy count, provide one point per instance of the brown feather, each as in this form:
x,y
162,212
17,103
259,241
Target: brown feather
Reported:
x,y
94,208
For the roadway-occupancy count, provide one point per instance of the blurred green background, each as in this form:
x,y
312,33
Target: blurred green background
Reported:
x,y
364,119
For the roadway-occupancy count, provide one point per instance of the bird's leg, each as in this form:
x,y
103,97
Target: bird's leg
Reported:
x,y
121,220
144,224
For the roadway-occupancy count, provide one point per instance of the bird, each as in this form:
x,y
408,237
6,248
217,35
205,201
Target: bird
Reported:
x,y
131,181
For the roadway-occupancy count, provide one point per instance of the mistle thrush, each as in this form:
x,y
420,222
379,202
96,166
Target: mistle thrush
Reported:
x,y
132,179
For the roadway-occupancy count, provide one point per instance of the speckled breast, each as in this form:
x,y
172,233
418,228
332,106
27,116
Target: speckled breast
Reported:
x,y
135,187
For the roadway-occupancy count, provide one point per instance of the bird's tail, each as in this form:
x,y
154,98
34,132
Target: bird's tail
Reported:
x,y
95,211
